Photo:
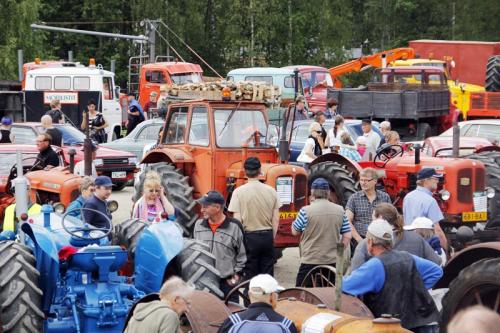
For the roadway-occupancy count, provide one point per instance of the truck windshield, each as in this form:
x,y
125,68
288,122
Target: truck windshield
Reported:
x,y
235,127
184,78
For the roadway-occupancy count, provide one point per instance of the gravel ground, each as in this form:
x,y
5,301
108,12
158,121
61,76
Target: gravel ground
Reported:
x,y
285,270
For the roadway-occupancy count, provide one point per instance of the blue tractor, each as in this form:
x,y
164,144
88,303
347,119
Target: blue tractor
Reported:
x,y
65,276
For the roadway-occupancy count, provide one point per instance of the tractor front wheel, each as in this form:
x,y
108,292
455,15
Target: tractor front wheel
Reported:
x,y
20,296
342,183
492,82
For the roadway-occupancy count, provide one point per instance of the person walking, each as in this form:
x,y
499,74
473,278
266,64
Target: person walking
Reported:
x,y
153,201
312,147
46,157
79,168
421,203
372,139
54,132
98,202
135,113
321,226
55,112
86,191
224,236
331,108
6,135
359,208
97,123
395,282
162,316
300,111
403,240
256,205
260,315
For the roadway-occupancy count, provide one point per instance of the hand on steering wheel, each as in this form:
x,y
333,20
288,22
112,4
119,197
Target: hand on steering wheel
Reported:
x,y
84,230
386,153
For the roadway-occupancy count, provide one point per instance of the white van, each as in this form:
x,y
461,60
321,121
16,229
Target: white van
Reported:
x,y
66,84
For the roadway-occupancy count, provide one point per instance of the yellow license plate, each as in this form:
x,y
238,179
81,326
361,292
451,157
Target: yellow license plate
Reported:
x,y
474,216
288,215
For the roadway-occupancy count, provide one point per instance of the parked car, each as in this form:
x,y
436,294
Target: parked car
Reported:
x,y
442,146
482,128
301,132
146,133
120,166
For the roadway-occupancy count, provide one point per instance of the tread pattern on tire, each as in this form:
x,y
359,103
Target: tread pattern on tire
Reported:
x,y
127,233
20,295
340,179
179,193
492,81
483,271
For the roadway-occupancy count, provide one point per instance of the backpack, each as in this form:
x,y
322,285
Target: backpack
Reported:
x,y
253,326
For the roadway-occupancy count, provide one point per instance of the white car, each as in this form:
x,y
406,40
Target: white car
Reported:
x,y
482,128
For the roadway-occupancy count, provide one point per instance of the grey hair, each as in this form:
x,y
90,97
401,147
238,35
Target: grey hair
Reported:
x,y
175,287
86,183
320,193
385,124
387,244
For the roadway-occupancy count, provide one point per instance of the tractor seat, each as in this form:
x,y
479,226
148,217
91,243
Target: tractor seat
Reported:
x,y
101,259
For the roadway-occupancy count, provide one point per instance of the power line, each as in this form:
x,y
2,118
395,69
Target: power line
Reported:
x,y
91,23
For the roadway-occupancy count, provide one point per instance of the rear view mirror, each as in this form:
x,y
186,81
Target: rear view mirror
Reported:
x,y
117,92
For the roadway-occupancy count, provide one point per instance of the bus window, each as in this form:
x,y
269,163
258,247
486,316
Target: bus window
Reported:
x,y
43,83
62,83
81,83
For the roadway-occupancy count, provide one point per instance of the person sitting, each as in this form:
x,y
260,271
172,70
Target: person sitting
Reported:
x,y
348,149
80,166
153,202
97,203
86,190
260,315
162,316
312,147
47,157
424,227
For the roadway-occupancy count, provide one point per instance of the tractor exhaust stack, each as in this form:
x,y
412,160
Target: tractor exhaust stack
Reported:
x,y
417,153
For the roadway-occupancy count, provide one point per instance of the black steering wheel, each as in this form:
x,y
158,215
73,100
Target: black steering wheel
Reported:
x,y
26,168
85,228
386,153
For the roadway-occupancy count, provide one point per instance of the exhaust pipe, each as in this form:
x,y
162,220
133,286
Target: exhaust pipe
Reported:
x,y
417,153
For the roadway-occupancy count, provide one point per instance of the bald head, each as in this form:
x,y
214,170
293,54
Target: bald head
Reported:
x,y
478,319
46,121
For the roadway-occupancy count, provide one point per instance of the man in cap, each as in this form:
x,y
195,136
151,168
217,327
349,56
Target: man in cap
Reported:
x,y
98,202
321,225
421,203
263,293
80,166
395,282
257,205
6,135
224,236
372,139
150,105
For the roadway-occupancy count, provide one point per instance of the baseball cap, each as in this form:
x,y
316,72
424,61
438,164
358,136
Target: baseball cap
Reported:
x,y
320,184
428,173
266,283
381,229
103,181
212,197
252,163
6,121
420,223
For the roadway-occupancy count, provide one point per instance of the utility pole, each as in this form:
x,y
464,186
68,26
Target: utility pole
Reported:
x,y
251,34
290,35
152,40
453,21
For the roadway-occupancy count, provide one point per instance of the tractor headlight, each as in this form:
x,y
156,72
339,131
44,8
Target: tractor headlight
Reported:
x,y
132,160
112,205
445,195
98,162
59,208
490,192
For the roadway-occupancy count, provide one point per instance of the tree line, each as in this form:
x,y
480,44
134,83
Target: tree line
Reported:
x,y
237,33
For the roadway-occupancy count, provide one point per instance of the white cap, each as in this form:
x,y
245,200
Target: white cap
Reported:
x,y
381,229
420,223
266,283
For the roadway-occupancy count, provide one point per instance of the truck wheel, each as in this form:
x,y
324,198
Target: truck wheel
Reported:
x,y
491,161
179,193
424,131
197,266
475,284
127,233
20,296
342,184
492,82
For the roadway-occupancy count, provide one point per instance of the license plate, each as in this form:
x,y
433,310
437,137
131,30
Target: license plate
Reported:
x,y
119,174
288,215
474,216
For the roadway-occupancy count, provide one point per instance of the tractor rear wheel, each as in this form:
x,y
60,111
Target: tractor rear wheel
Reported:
x,y
492,82
20,296
127,233
491,161
342,183
179,193
475,284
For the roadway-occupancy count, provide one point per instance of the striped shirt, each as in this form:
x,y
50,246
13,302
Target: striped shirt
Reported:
x,y
350,154
301,222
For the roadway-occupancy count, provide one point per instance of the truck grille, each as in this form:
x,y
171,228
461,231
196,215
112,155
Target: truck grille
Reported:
x,y
114,161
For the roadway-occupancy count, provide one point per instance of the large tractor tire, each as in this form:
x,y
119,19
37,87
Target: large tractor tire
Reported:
x,y
197,267
179,193
491,160
492,82
342,183
127,233
475,284
20,296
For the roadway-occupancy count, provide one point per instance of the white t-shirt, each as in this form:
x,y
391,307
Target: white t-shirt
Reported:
x,y
372,141
334,140
80,169
308,146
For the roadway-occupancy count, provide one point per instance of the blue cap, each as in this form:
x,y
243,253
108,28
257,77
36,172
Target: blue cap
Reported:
x,y
212,197
428,173
103,181
6,121
320,184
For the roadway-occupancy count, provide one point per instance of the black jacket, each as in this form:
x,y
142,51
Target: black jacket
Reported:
x,y
56,136
48,157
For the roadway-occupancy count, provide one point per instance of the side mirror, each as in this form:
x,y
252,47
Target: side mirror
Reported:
x,y
117,92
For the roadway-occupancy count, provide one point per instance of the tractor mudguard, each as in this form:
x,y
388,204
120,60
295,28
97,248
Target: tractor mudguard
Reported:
x,y
332,157
169,155
47,259
157,246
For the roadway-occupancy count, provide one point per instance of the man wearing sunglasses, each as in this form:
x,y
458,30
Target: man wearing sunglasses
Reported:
x,y
47,157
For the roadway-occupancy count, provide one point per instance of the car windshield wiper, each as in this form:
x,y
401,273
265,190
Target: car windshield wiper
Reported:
x,y
227,121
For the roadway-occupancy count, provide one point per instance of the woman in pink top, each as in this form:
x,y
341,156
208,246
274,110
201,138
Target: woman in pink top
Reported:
x,y
153,201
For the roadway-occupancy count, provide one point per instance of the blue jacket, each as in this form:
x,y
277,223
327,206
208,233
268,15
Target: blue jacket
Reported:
x,y
74,207
93,218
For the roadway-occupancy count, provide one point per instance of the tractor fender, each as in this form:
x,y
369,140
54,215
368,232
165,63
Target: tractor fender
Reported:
x,y
169,155
465,258
351,166
158,245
